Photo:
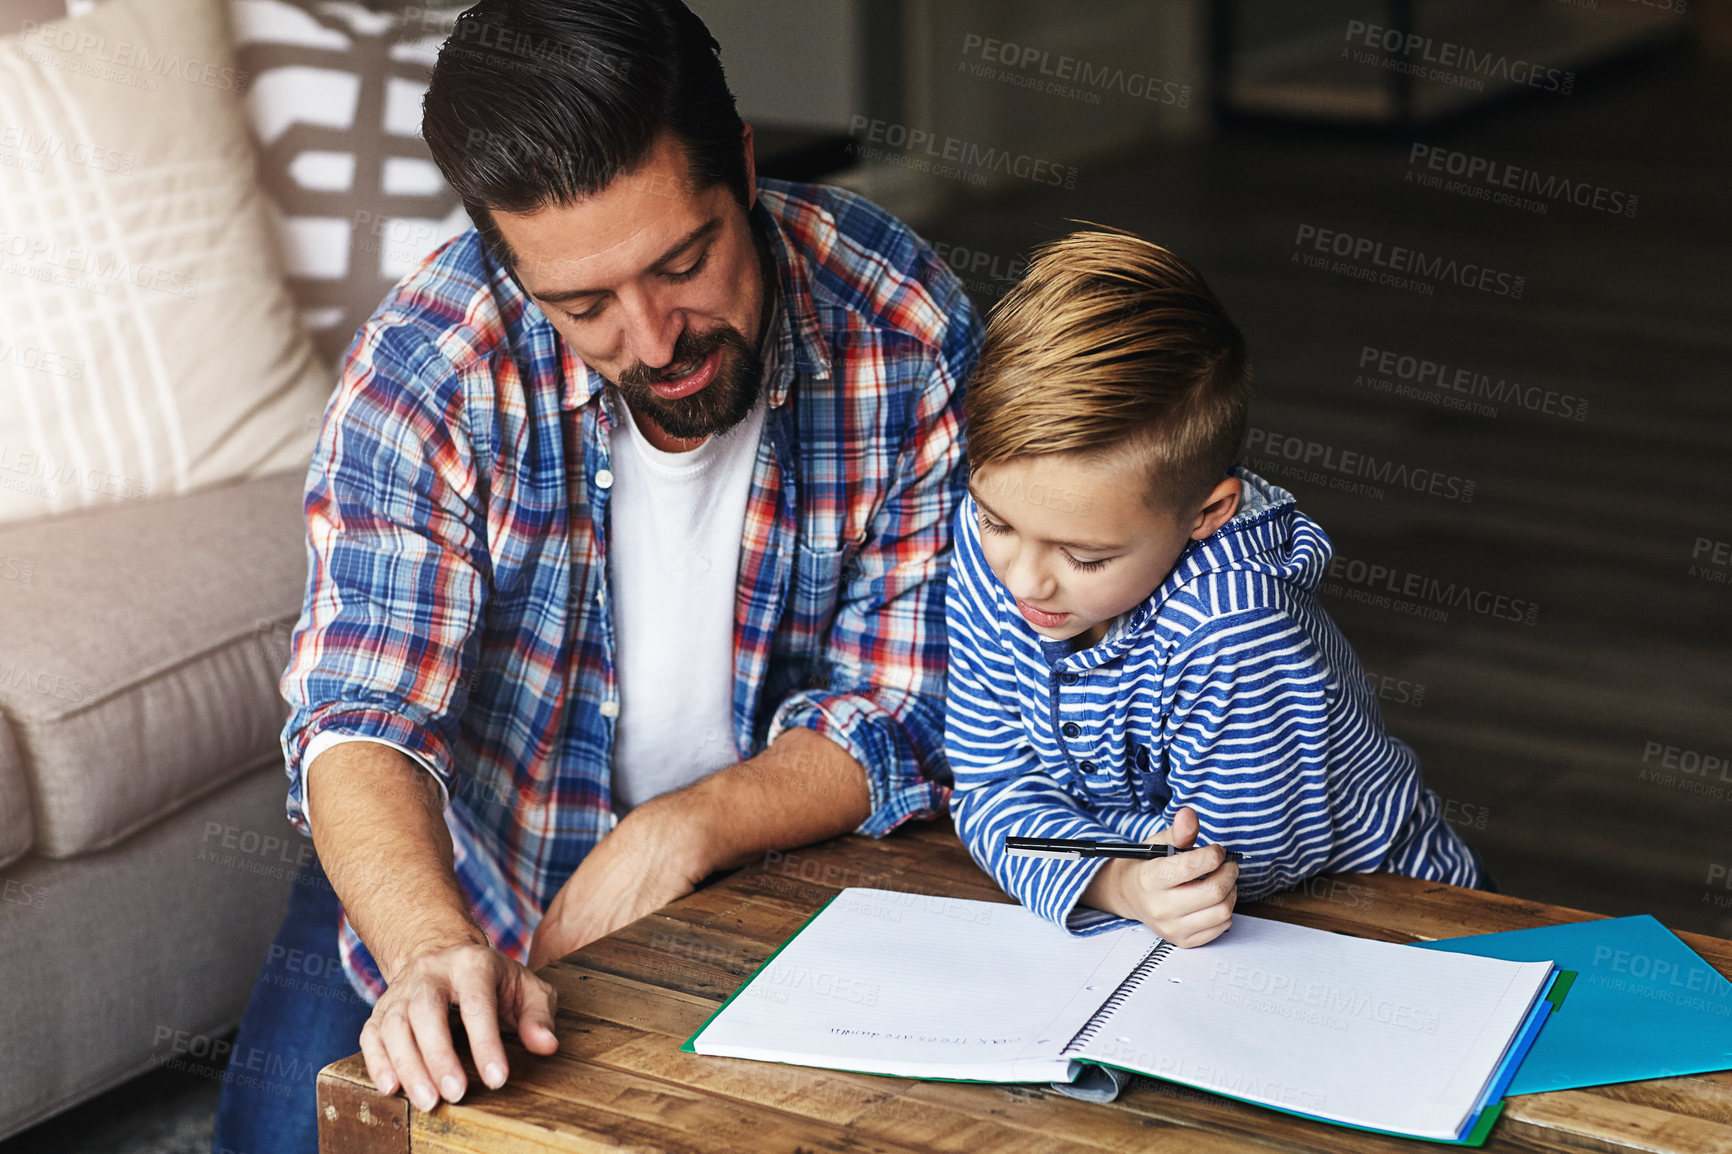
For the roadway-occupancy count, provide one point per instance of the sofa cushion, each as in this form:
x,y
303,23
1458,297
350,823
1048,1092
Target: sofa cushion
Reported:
x,y
139,667
16,827
148,345
115,962
334,103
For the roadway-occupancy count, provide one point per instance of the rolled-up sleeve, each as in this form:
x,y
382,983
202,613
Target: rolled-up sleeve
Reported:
x,y
884,698
397,566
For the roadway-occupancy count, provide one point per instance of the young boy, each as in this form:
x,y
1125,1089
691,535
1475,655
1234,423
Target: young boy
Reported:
x,y
1136,648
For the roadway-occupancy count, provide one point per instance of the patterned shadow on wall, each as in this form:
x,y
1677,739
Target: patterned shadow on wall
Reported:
x,y
334,105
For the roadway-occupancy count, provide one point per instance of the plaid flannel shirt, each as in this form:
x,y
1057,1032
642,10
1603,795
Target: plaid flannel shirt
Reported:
x,y
457,511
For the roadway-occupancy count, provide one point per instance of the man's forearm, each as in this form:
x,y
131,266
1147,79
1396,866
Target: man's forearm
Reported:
x,y
803,788
383,842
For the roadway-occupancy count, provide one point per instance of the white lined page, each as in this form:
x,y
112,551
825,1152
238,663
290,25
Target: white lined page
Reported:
x,y
885,982
1364,1032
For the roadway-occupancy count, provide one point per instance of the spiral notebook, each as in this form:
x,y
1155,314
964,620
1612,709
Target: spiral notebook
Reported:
x,y
1342,1029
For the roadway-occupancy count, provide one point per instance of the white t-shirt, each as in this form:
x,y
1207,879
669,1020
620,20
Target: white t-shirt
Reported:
x,y
675,528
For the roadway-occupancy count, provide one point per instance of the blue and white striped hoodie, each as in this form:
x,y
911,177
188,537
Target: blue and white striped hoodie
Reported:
x,y
1229,690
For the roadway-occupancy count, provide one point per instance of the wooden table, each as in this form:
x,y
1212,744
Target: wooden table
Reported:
x,y
626,1003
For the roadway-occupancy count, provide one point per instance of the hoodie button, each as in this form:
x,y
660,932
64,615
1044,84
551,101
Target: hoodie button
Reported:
x,y
1071,729
1068,678
1088,767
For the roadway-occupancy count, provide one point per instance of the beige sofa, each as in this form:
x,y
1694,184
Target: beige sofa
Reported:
x,y
146,856
159,399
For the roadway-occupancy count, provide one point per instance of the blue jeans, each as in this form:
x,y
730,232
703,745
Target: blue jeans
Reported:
x,y
303,1015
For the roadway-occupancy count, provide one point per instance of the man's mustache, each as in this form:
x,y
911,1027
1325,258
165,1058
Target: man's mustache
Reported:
x,y
690,350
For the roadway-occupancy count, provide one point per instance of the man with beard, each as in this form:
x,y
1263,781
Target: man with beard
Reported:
x,y
628,527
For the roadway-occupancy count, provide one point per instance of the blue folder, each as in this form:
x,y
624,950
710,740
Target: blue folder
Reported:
x,y
1644,1005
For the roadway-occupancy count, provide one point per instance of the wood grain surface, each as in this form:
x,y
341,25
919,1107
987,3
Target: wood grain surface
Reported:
x,y
627,1002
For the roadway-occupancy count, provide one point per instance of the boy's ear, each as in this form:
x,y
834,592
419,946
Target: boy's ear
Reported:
x,y
1218,508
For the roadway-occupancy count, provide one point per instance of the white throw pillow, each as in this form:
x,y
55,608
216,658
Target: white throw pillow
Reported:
x,y
147,342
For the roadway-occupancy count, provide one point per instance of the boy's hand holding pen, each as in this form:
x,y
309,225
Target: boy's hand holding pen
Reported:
x,y
1186,897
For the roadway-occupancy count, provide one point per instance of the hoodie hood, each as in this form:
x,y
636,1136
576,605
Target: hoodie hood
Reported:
x,y
1267,535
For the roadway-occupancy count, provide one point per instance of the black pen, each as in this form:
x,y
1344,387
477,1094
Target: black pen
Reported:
x,y
1067,847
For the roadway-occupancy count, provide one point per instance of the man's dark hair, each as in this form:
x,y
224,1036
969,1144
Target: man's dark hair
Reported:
x,y
538,102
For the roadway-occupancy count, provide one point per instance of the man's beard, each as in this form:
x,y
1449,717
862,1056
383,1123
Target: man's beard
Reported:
x,y
715,408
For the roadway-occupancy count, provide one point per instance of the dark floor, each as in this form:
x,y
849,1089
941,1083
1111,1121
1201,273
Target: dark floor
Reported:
x,y
1534,733
162,1112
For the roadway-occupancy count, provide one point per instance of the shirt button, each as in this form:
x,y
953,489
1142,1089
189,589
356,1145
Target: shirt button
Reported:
x,y
601,596
603,479
1071,729
610,709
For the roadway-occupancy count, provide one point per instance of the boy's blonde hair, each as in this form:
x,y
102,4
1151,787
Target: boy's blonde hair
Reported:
x,y
1112,343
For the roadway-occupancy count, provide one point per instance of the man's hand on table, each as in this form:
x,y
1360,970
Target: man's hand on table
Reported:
x,y
394,860
408,1041
379,830
633,871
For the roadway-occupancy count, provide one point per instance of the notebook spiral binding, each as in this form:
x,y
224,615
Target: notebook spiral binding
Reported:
x,y
1125,989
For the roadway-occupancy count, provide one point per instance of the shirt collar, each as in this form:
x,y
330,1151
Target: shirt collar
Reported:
x,y
801,340
770,347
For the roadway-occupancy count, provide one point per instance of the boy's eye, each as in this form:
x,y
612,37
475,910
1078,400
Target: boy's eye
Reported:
x,y
1086,566
988,525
